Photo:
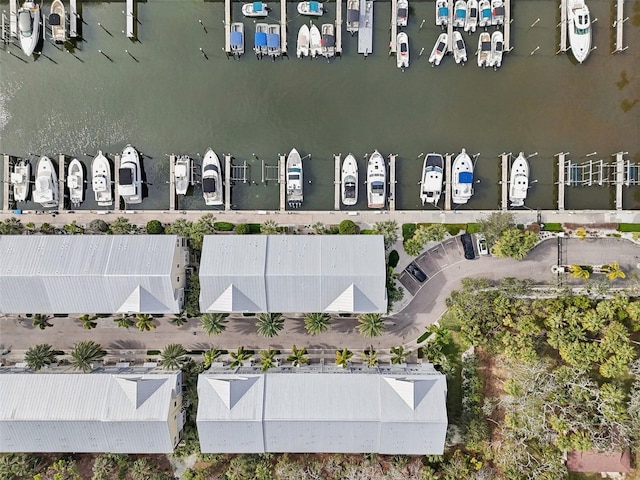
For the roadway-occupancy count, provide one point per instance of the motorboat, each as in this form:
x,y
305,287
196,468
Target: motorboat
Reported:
x,y
236,39
579,27
294,179
20,178
497,49
260,40
432,178
497,12
130,176
402,16
46,189
29,27
353,16
211,179
273,41
182,174
484,49
459,13
459,48
312,8
439,50
255,9
402,50
442,13
462,184
376,181
349,181
485,19
471,20
302,46
328,40
75,182
519,181
57,22
315,42
101,180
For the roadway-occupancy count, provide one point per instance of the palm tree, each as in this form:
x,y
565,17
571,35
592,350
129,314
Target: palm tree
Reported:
x,y
141,469
239,356
124,321
179,320
41,321
84,354
211,356
88,322
269,227
268,359
371,324
213,323
298,356
343,357
316,323
613,271
399,355
145,322
173,356
39,356
370,357
578,271
270,324
319,228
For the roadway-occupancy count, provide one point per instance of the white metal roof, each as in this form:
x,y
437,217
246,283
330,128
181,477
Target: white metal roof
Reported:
x,y
293,273
87,412
87,274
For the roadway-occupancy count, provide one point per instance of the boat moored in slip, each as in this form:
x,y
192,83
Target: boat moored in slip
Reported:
x,y
328,40
46,188
519,181
20,179
485,19
459,48
130,177
471,20
432,179
182,174
484,49
211,179
459,13
57,22
311,8
497,12
294,179
255,9
579,27
315,42
497,49
376,181
101,180
349,181
462,182
236,39
75,182
442,13
353,16
29,27
273,41
439,50
302,45
260,40
402,17
402,50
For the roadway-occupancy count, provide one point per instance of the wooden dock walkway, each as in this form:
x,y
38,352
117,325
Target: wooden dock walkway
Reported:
x,y
392,182
505,180
283,27
394,27
561,179
131,19
6,179
62,180
618,24
563,26
227,181
282,180
172,182
13,18
507,25
447,182
620,164
336,181
227,26
73,18
365,32
116,182
338,27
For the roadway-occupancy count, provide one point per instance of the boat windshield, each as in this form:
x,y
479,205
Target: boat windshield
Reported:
x,y
486,46
208,185
294,176
24,23
460,45
441,47
474,12
377,187
213,168
125,175
403,48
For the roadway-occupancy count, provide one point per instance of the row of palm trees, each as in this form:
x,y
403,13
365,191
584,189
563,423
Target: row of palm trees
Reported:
x,y
611,270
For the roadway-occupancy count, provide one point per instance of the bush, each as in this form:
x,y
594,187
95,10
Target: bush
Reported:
x,y
154,227
347,227
254,227
454,228
334,230
368,231
153,352
394,258
223,226
553,227
242,229
629,227
473,228
408,230
98,226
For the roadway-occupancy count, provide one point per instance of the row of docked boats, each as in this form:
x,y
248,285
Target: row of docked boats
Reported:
x,y
470,14
490,49
267,40
313,42
30,24
310,8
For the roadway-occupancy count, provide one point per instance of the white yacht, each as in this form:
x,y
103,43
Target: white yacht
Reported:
x,y
376,181
211,179
484,49
46,189
459,48
328,40
402,17
462,183
295,179
273,41
471,21
497,49
75,182
101,180
442,13
349,180
236,39
402,50
302,46
497,12
432,178
20,179
484,7
353,16
519,182
579,27
315,42
312,8
29,26
255,9
57,22
260,40
130,177
459,13
182,174
439,50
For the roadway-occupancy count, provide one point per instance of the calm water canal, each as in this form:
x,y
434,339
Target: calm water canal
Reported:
x,y
173,100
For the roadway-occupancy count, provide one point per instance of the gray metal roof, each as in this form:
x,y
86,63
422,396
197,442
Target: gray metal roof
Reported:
x,y
88,412
308,411
293,273
87,274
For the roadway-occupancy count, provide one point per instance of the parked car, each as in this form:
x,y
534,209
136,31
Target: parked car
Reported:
x,y
414,270
483,248
467,245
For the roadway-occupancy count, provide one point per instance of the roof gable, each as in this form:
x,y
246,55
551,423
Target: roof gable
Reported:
x,y
140,300
351,300
233,300
411,391
231,390
138,390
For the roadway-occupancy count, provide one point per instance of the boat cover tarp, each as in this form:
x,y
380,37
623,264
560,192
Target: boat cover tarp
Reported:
x,y
460,45
261,39
473,13
208,185
54,19
461,13
257,6
353,16
486,46
499,47
465,177
314,7
236,39
125,176
498,12
402,12
273,40
485,13
24,22
328,41
443,12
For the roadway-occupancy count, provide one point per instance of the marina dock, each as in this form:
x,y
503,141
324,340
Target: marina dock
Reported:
x,y
131,19
227,26
507,25
282,180
13,18
450,28
172,182
73,19
561,179
505,180
336,182
620,180
227,181
618,24
365,32
563,26
338,27
62,180
6,177
392,181
394,27
116,181
283,27
447,183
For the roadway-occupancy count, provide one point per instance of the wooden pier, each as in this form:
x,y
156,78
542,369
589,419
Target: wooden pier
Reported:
x,y
131,19
172,182
619,179
116,181
338,27
336,182
561,179
618,24
394,27
283,27
365,32
507,25
447,183
62,180
227,181
13,18
73,19
392,181
227,26
563,26
505,180
6,179
282,180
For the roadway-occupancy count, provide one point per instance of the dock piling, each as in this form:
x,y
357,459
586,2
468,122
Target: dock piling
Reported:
x,y
336,182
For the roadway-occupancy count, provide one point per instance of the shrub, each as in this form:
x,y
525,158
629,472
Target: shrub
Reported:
x,y
553,227
347,227
454,228
408,230
368,231
98,226
254,227
223,226
153,352
472,228
629,227
242,229
154,227
334,230
533,227
394,258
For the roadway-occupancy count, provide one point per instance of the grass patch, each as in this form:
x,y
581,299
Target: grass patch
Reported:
x,y
407,230
423,337
367,231
552,227
473,227
628,227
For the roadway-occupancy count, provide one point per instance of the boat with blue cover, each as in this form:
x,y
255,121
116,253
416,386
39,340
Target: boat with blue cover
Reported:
x,y
311,9
442,13
485,14
460,13
462,184
255,9
237,39
260,40
273,41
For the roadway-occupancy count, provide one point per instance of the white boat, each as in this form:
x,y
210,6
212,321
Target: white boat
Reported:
x,y
376,181
484,49
315,42
459,48
20,178
442,13
312,8
497,12
101,180
255,9
471,21
29,27
182,174
519,182
294,179
130,177
328,40
302,46
459,13
353,16
439,50
497,49
57,22
46,189
432,178
211,179
579,27
260,40
75,182
273,41
402,16
402,50
485,13
236,39
462,184
349,180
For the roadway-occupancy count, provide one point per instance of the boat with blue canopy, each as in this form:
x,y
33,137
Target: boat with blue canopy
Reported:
x,y
442,13
255,9
237,39
460,13
485,14
260,40
273,41
312,8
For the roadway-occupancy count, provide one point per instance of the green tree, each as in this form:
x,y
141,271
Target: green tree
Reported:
x,y
124,321
613,271
211,356
579,271
41,321
239,356
213,323
413,246
371,324
173,356
370,357
242,229
270,324
40,356
141,469
399,355
206,225
98,226
179,319
514,243
316,323
145,322
11,226
343,357
494,225
154,227
319,228
347,227
180,227
389,230
121,226
88,322
73,228
47,228
298,356
269,228
84,354
268,359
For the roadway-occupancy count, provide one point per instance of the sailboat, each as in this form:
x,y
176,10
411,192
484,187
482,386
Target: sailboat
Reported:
x,y
211,179
20,178
579,27
294,179
29,27
182,174
519,182
57,22
75,182
46,189
462,184
376,181
130,177
101,180
349,181
432,178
